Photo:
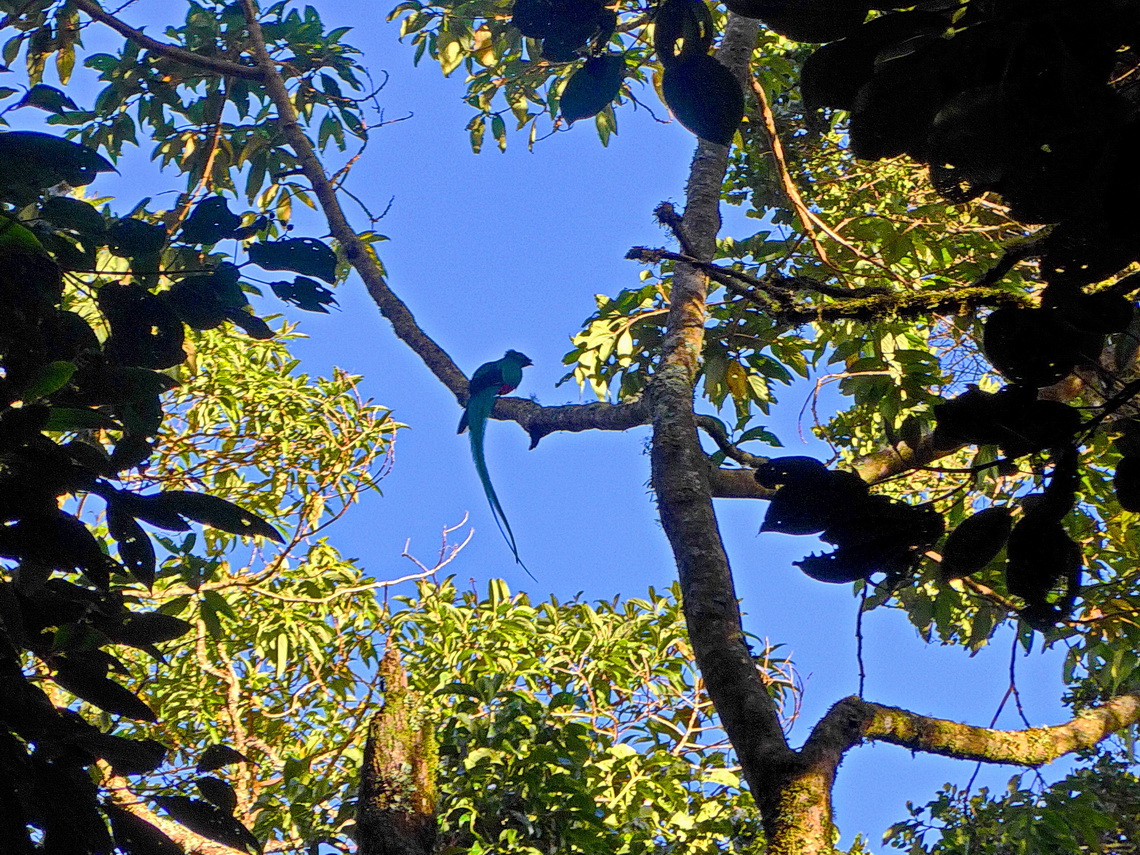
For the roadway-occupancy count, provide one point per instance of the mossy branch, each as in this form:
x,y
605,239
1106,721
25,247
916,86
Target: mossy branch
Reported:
x,y
396,807
853,720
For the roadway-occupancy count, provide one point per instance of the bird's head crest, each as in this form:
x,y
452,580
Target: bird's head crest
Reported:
x,y
521,358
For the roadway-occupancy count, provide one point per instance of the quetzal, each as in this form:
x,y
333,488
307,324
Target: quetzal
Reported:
x,y
487,383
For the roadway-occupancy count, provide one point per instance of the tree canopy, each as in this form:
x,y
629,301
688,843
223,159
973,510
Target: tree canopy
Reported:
x,y
957,182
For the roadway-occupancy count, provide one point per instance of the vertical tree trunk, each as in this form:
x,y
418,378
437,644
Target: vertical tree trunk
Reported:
x,y
395,811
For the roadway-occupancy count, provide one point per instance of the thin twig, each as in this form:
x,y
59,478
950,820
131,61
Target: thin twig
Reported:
x,y
859,639
810,221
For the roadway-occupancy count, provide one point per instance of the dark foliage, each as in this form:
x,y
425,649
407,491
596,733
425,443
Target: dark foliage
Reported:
x,y
76,412
1035,102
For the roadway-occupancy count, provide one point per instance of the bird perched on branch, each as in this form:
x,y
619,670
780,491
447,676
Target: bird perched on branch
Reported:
x,y
489,381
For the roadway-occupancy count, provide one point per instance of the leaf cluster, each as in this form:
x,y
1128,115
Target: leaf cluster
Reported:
x,y
1093,809
86,368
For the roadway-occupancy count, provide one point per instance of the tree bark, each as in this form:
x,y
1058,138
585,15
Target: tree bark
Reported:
x,y
680,478
395,810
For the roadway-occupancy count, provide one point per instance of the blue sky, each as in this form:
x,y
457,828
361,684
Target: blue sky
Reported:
x,y
498,251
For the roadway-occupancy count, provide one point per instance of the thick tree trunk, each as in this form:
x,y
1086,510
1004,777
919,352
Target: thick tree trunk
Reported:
x,y
793,796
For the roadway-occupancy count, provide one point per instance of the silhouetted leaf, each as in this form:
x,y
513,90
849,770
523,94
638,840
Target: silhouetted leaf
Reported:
x,y
253,326
68,807
131,238
1029,346
68,335
834,568
218,792
145,628
805,20
218,513
126,756
37,161
217,756
47,98
1126,482
75,215
101,692
1013,418
566,25
145,332
972,140
136,836
705,97
1102,313
811,503
130,451
833,75
975,542
593,86
310,295
195,302
781,470
1041,554
306,256
535,18
21,424
681,29
246,232
136,552
892,113
209,222
152,507
879,534
57,540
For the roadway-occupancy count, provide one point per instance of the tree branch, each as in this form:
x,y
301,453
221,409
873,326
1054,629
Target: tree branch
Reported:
x,y
224,67
120,792
872,468
853,720
809,220
714,427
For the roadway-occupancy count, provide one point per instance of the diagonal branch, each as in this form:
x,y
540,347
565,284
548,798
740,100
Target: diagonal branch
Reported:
x,y
812,223
536,419
224,67
853,720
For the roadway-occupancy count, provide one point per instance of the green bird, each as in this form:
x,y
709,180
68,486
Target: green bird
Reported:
x,y
487,383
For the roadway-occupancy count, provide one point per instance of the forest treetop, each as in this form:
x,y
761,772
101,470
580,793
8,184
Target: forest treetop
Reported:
x,y
989,362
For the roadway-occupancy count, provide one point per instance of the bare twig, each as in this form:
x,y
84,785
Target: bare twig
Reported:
x,y
812,223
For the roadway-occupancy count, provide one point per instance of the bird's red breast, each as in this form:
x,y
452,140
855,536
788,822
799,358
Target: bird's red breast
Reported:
x,y
506,388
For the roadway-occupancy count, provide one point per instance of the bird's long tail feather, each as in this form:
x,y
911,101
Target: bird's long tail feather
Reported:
x,y
478,411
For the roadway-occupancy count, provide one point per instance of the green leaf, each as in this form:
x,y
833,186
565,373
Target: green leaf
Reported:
x,y
50,378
